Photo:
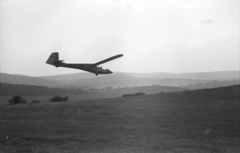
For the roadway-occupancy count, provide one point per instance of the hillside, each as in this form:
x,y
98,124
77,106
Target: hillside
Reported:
x,y
232,92
125,80
217,75
87,81
202,121
74,76
212,84
110,92
21,79
197,75
31,90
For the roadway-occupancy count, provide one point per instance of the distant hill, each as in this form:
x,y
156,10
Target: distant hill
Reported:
x,y
196,76
218,93
212,84
156,89
145,89
73,76
31,90
28,80
219,75
87,81
124,80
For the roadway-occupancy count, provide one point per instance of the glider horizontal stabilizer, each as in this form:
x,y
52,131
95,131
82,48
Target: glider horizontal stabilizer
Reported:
x,y
108,59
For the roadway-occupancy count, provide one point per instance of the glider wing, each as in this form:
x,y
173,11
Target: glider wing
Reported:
x,y
108,59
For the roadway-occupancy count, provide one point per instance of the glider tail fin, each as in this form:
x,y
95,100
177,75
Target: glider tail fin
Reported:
x,y
53,58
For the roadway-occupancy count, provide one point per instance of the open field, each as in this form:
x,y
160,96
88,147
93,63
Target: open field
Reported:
x,y
200,121
42,98
31,93
72,97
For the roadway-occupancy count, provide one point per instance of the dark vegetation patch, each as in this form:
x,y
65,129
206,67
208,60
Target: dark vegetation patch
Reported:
x,y
58,99
134,94
19,100
199,121
36,101
16,100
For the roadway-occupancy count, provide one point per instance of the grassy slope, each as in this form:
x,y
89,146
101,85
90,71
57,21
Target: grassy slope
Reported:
x,y
200,121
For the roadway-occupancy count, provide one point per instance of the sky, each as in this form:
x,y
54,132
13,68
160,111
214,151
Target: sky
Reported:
x,y
177,36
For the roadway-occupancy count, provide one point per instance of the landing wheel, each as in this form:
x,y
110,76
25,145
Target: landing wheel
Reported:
x,y
96,74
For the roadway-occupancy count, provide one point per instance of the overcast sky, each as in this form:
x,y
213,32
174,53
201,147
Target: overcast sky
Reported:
x,y
154,35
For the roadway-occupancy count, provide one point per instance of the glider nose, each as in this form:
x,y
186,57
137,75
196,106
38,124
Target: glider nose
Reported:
x,y
109,72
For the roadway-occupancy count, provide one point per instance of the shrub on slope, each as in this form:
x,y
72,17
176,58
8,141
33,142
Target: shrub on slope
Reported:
x,y
16,100
134,94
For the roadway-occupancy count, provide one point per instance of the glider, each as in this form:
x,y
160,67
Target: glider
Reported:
x,y
93,68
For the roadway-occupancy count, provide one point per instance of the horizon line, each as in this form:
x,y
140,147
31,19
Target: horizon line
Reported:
x,y
125,72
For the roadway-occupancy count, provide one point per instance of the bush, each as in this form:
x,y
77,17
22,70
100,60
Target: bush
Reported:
x,y
58,99
134,94
16,100
162,92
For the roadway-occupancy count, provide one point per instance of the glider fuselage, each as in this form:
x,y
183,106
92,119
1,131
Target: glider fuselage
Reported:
x,y
86,67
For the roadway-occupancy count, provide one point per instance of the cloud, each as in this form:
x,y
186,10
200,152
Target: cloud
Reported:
x,y
56,46
207,21
128,5
125,4
106,45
